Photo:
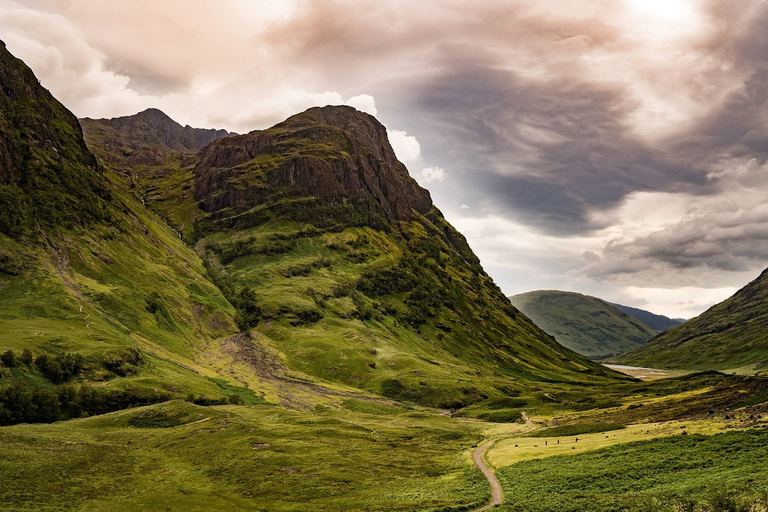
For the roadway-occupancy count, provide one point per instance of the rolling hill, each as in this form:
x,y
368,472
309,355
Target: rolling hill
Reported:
x,y
587,325
729,335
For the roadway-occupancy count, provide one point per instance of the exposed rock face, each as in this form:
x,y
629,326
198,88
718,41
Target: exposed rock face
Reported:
x,y
144,138
333,155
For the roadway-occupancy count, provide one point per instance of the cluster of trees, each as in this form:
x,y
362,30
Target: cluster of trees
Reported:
x,y
57,369
26,398
23,402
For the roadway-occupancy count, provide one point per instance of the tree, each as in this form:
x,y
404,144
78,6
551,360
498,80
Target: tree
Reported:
x,y
26,357
8,358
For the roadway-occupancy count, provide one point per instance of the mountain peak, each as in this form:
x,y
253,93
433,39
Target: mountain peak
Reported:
x,y
147,137
334,160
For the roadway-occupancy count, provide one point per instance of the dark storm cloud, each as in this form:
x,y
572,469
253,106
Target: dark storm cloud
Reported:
x,y
546,151
738,126
727,237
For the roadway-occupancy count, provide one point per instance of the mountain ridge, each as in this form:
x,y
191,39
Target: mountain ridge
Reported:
x,y
146,137
656,322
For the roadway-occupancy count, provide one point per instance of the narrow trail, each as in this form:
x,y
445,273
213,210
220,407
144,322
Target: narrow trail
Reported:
x,y
496,494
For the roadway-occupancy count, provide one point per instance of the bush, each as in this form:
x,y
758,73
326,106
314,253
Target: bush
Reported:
x,y
26,357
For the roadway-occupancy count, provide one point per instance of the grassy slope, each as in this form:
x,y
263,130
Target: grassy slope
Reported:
x,y
84,267
89,291
582,323
461,353
731,334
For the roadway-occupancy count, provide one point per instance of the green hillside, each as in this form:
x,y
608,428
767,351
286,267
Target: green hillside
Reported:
x,y
584,324
283,321
96,288
729,335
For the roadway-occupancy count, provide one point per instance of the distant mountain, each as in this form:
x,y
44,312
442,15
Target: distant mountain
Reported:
x,y
731,334
144,138
656,322
587,325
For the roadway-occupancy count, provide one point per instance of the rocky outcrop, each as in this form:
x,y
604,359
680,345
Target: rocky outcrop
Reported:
x,y
330,155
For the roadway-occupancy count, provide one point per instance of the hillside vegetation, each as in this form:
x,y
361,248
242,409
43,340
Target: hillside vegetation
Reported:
x,y
584,324
729,335
98,294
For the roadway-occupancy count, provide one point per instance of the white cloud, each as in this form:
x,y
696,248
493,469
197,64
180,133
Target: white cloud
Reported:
x,y
430,174
364,103
66,64
407,148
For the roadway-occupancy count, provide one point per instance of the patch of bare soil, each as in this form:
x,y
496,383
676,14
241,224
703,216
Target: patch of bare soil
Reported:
x,y
266,364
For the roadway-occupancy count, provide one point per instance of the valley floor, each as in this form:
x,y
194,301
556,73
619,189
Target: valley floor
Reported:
x,y
367,456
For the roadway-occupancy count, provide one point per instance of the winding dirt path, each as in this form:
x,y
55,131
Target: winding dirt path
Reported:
x,y
496,495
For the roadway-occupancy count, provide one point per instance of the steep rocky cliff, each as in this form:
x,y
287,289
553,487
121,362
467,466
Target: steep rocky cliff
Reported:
x,y
330,164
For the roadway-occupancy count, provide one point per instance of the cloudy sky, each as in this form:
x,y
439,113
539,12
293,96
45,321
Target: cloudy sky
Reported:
x,y
612,147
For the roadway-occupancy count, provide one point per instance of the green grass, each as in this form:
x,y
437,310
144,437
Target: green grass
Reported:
x,y
578,429
708,472
177,456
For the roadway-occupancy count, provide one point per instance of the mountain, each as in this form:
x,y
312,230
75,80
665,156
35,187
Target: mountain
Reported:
x,y
47,175
144,138
656,322
291,264
340,266
732,334
94,288
587,325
